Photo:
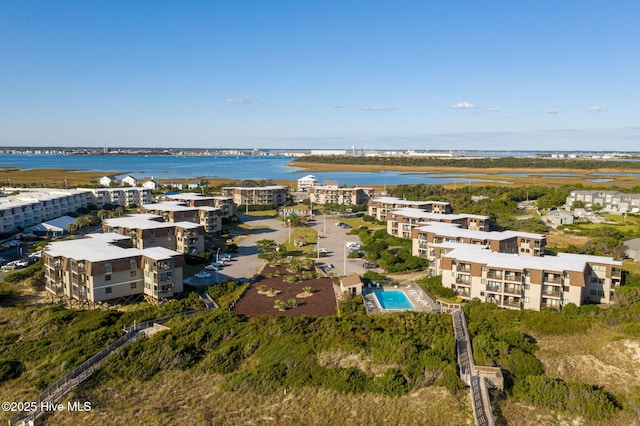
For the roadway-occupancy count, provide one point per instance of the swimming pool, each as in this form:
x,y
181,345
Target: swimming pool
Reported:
x,y
393,299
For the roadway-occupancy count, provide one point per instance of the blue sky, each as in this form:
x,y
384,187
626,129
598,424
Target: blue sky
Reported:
x,y
536,75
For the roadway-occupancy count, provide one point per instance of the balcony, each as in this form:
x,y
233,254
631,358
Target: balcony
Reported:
x,y
493,288
164,266
554,279
512,304
494,275
463,292
513,277
556,293
492,299
463,279
463,268
512,290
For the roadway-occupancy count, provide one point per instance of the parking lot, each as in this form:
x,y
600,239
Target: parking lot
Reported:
x,y
246,263
335,240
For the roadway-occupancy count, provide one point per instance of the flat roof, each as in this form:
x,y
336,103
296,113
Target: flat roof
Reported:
x,y
101,248
147,221
453,230
93,248
420,214
256,187
558,263
169,206
188,196
394,200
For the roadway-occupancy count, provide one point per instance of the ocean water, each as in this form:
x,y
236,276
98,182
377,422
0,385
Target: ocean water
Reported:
x,y
242,167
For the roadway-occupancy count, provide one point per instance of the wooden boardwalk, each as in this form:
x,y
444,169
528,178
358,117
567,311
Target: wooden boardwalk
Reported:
x,y
480,399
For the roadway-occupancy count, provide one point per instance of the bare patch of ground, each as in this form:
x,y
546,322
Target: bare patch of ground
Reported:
x,y
561,239
321,302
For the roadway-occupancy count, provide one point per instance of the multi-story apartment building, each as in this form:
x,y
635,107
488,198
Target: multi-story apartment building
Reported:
x,y
148,230
306,182
173,211
258,196
428,240
192,199
401,222
333,194
120,196
612,201
103,267
28,207
529,282
380,206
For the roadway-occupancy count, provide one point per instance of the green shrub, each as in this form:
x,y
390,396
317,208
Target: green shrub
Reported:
x,y
434,286
578,398
10,369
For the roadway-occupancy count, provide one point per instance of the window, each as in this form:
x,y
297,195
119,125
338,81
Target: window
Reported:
x,y
526,299
132,273
107,277
134,285
527,286
593,292
107,290
600,293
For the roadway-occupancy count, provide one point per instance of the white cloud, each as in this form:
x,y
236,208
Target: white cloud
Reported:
x,y
550,111
239,101
493,109
463,105
383,109
597,109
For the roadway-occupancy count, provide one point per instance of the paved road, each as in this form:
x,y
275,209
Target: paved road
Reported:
x,y
246,263
335,241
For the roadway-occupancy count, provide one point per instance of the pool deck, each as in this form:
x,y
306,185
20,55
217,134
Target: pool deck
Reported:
x,y
421,301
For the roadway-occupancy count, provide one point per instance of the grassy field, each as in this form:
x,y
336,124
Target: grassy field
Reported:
x,y
536,176
187,397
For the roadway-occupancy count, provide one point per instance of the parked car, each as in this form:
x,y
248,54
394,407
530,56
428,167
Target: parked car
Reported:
x,y
369,265
224,258
212,268
202,275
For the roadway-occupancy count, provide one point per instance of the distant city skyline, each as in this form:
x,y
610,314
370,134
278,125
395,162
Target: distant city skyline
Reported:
x,y
465,75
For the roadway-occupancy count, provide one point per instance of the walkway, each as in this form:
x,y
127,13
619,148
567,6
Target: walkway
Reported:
x,y
54,393
472,376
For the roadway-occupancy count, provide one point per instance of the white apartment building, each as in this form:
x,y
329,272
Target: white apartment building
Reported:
x,y
149,230
529,282
401,222
257,196
120,196
434,239
173,211
611,201
380,206
193,199
33,206
333,194
306,182
103,267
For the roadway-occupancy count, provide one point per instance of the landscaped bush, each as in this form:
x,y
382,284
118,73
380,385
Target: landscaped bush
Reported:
x,y
434,286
